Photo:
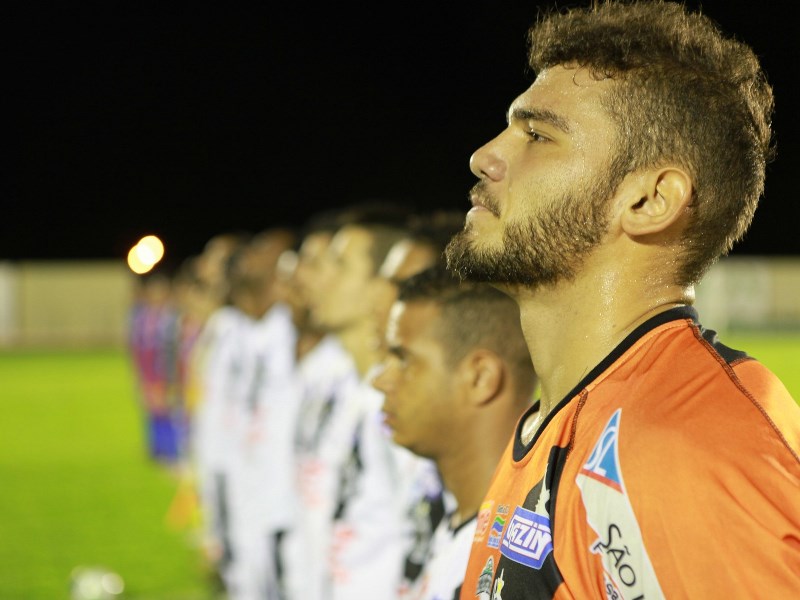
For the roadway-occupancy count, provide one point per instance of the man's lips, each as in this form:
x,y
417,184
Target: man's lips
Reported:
x,y
480,205
477,209
476,203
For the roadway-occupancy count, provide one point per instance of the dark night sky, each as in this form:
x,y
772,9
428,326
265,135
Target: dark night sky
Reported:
x,y
186,119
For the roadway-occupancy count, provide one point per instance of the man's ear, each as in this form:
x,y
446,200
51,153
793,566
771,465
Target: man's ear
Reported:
x,y
656,199
484,374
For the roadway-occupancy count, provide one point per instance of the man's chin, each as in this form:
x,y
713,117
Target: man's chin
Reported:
x,y
467,260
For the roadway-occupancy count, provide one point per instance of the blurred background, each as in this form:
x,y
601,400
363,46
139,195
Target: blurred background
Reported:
x,y
184,120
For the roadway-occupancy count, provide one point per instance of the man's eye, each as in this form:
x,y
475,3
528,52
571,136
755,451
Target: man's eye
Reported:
x,y
536,136
397,357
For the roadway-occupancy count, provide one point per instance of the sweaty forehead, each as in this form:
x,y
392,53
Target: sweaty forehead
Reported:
x,y
569,98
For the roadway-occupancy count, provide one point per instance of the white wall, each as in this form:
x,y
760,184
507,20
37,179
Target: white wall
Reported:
x,y
741,293
64,303
86,303
9,303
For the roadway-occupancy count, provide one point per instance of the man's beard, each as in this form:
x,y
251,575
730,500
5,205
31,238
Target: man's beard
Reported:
x,y
549,248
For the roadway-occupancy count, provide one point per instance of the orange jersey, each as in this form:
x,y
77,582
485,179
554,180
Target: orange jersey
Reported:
x,y
671,471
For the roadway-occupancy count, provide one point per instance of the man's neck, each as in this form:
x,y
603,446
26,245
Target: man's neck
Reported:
x,y
467,468
358,339
468,484
570,328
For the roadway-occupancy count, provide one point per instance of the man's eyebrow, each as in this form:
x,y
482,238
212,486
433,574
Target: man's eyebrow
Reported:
x,y
539,114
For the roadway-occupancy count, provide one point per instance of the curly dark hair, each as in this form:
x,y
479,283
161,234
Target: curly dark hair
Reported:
x,y
685,93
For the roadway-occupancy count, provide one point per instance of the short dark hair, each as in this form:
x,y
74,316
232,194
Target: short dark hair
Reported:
x,y
473,314
686,93
387,221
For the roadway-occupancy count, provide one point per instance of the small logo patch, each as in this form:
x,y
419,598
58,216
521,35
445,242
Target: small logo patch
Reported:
x,y
603,465
528,539
496,532
484,517
484,587
499,523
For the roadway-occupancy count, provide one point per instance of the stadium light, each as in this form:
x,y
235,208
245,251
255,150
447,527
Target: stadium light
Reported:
x,y
145,254
151,249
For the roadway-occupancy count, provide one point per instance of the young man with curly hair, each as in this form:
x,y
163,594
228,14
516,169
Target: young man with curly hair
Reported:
x,y
662,463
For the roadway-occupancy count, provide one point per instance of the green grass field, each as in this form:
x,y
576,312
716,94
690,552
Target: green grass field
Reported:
x,y
780,352
78,489
77,486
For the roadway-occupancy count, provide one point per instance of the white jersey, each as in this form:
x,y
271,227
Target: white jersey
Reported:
x,y
218,360
371,532
378,524
443,573
262,477
218,365
328,376
267,418
427,504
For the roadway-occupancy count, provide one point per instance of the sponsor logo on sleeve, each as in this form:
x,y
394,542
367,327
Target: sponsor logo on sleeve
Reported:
x,y
484,588
484,517
527,539
628,572
603,465
498,524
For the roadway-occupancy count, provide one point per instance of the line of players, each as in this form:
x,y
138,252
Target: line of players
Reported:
x,y
350,400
